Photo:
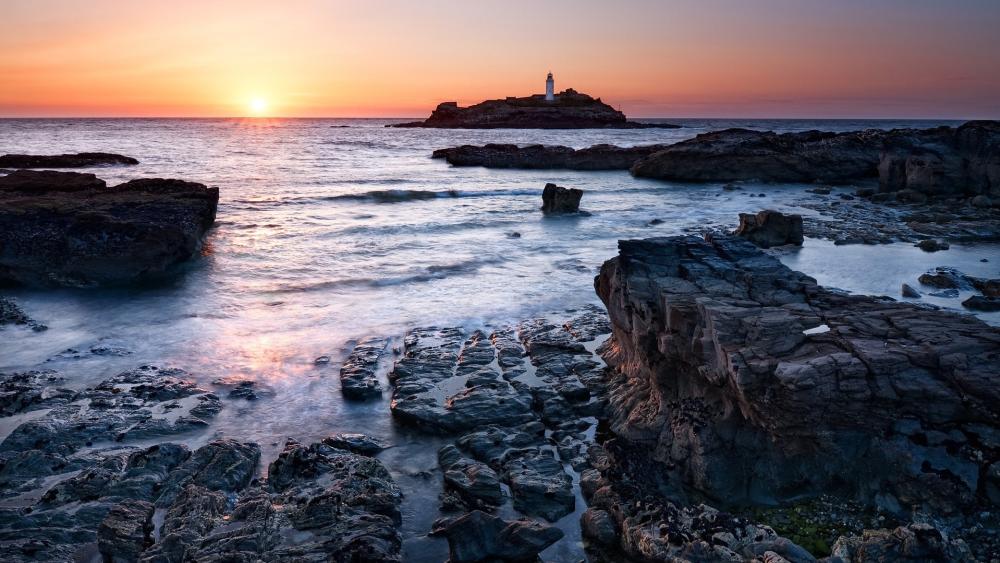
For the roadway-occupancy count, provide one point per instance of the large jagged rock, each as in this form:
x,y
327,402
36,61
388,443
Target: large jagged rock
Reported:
x,y
78,160
569,110
753,384
769,228
66,228
943,161
480,537
546,157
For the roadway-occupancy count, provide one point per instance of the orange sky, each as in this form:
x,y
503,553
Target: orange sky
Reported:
x,y
708,58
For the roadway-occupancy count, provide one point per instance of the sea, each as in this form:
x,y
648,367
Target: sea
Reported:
x,y
331,230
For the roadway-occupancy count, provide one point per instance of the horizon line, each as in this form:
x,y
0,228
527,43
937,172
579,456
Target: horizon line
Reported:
x,y
259,117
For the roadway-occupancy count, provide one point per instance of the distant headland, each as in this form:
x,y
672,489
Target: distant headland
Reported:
x,y
568,109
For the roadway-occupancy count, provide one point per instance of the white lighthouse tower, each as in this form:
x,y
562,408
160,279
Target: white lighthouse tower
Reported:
x,y
550,88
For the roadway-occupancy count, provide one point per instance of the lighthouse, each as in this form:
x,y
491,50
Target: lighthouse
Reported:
x,y
550,88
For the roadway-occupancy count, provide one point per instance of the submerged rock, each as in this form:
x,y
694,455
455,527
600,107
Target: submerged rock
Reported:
x,y
557,199
78,160
66,228
546,157
357,443
11,314
716,356
480,537
769,228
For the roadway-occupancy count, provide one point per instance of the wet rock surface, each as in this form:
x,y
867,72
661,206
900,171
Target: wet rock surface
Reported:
x,y
358,375
78,160
546,157
478,536
569,110
66,228
770,228
722,385
557,200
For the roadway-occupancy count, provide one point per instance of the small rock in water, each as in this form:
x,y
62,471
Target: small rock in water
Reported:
x,y
731,187
908,291
656,222
557,199
820,191
931,245
322,360
514,234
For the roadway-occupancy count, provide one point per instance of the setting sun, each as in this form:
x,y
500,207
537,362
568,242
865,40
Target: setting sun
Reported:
x,y
258,106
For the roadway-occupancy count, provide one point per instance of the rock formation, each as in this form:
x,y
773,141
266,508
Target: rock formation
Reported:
x,y
558,200
570,110
752,384
542,157
769,228
912,163
79,160
67,228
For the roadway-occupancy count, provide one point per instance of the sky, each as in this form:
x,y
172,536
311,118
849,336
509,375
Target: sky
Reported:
x,y
400,58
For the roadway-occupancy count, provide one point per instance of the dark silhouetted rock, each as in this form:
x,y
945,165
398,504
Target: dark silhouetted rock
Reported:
x,y
931,245
126,531
741,154
557,199
480,537
908,291
911,163
787,389
79,160
982,303
770,228
543,157
569,110
65,228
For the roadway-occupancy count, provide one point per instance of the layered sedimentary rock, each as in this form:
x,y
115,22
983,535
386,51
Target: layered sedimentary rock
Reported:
x,y
569,110
78,160
963,161
752,384
66,228
547,157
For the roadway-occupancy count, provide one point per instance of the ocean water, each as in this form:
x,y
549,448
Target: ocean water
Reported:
x,y
332,230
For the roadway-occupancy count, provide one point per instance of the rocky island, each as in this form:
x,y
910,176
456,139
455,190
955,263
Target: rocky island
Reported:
x,y
568,109
72,229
